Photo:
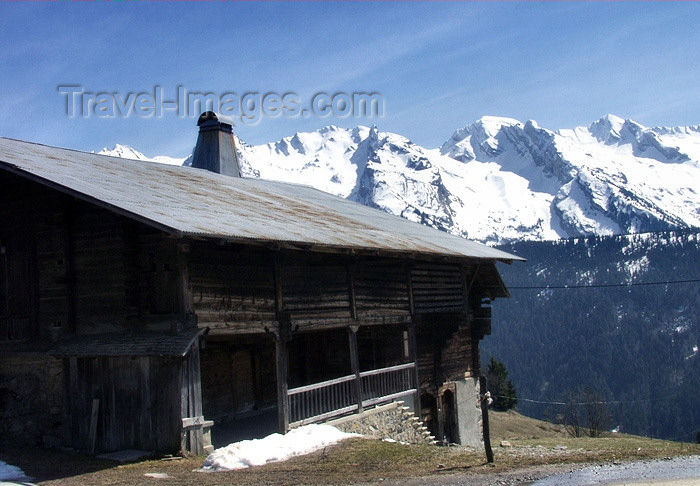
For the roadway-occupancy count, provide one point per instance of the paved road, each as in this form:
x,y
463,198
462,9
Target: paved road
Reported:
x,y
672,472
680,471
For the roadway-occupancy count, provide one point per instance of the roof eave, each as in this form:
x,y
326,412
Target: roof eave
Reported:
x,y
89,199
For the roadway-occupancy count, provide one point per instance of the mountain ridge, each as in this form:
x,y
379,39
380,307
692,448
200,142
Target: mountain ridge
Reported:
x,y
498,179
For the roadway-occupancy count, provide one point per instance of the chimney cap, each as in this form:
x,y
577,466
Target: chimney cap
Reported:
x,y
212,120
216,148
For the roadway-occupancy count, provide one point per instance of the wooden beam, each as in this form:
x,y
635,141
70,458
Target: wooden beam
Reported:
x,y
281,356
485,418
92,437
279,297
473,280
185,306
192,422
409,283
440,406
351,288
355,365
196,435
414,356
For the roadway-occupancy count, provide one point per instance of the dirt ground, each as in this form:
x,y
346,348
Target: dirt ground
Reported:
x,y
534,450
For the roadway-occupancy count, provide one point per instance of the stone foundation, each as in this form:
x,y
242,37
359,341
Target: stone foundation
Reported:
x,y
31,399
392,421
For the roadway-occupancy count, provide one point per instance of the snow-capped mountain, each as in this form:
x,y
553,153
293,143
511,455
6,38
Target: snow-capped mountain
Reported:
x,y
127,152
613,177
499,179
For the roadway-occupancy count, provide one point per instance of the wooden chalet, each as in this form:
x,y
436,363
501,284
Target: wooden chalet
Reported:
x,y
139,300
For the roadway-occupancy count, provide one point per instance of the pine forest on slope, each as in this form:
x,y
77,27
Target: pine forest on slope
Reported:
x,y
627,327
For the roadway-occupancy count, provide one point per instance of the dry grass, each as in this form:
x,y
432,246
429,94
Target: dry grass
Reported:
x,y
358,460
513,426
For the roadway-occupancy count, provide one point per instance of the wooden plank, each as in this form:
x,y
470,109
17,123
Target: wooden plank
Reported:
x,y
185,306
322,384
389,398
192,421
323,417
389,369
92,437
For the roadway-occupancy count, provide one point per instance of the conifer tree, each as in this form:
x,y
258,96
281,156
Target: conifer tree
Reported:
x,y
501,388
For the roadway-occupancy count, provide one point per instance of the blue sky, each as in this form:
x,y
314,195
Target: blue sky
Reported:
x,y
437,66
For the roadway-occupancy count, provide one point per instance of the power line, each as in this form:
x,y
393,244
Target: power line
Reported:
x,y
596,286
597,402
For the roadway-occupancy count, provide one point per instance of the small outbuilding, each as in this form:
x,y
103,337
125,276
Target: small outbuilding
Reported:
x,y
139,302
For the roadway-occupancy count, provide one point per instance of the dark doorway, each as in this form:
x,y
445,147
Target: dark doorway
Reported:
x,y
449,411
239,387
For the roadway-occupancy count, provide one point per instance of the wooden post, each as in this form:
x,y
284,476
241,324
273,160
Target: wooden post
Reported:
x,y
355,365
192,438
282,337
440,436
409,286
277,275
485,418
184,297
351,289
196,435
414,356
93,425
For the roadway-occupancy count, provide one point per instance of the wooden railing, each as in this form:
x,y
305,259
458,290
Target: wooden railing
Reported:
x,y
387,384
322,401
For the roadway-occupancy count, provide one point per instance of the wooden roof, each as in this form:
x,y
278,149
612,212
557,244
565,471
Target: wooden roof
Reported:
x,y
129,344
184,201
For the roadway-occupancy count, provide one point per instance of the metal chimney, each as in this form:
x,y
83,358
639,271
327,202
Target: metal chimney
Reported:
x,y
216,150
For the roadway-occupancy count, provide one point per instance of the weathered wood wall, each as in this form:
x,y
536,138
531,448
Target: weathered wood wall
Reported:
x,y
19,213
438,287
233,288
240,290
99,272
71,267
446,349
140,402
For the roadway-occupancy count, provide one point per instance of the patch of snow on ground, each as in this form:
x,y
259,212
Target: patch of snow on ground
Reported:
x,y
275,447
9,472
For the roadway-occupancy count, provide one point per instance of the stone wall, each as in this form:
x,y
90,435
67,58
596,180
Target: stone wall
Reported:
x,y
392,421
31,399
